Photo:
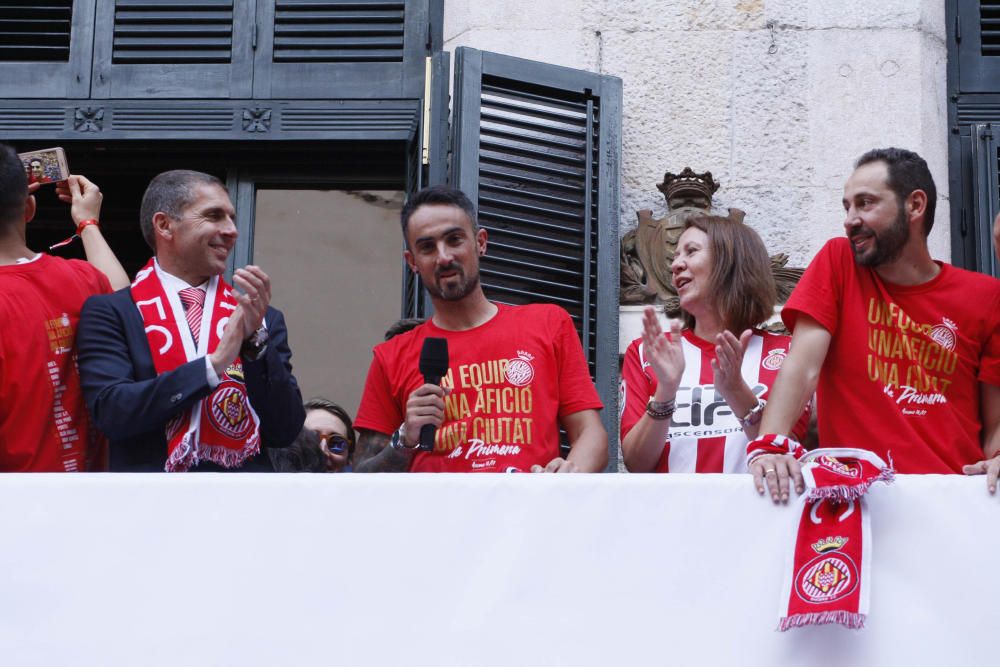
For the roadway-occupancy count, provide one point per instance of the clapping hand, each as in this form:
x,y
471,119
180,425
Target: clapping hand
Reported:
x,y
663,352
728,362
256,296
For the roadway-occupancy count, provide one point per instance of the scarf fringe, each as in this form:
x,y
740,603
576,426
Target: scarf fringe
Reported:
x,y
844,493
848,619
184,456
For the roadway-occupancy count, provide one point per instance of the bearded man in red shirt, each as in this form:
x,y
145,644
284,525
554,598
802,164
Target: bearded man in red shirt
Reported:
x,y
904,350
515,373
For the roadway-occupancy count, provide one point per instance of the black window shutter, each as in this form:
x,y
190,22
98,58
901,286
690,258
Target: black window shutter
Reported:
x,y
196,33
173,48
537,147
974,116
977,33
989,27
35,32
986,179
45,48
338,32
342,48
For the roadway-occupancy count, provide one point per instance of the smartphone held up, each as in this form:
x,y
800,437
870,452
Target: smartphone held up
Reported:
x,y
45,166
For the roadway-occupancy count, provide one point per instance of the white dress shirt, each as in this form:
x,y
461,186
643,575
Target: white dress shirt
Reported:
x,y
173,284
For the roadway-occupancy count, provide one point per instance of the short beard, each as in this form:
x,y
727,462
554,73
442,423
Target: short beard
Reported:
x,y
466,286
887,246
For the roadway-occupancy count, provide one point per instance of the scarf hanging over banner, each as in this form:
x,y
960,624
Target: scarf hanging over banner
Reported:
x,y
222,427
828,570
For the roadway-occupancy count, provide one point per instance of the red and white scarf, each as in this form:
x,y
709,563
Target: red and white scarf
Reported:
x,y
222,427
828,570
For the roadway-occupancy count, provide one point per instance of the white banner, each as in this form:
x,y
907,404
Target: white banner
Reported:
x,y
470,570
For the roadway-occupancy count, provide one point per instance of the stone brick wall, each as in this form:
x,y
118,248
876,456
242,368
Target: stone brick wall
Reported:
x,y
776,114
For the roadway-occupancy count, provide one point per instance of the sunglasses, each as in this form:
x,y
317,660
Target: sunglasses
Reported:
x,y
336,444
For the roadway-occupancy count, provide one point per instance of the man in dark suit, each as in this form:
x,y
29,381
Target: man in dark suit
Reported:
x,y
179,370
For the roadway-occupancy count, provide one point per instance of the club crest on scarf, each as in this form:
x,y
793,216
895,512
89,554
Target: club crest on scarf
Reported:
x,y
229,412
829,576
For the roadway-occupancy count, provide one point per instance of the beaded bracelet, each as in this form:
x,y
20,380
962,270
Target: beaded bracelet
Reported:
x,y
660,410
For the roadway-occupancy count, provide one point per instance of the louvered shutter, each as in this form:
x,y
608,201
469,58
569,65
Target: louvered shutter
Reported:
x,y
45,48
35,30
537,148
341,48
173,48
986,177
977,31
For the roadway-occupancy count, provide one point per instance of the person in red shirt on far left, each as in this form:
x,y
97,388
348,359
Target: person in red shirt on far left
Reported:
x,y
44,425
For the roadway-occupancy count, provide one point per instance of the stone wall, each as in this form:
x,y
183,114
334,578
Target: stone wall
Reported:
x,y
775,97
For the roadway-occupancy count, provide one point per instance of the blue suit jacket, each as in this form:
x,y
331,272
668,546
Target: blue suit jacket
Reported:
x,y
131,404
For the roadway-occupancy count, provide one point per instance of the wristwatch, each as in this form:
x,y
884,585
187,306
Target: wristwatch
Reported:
x,y
255,345
399,439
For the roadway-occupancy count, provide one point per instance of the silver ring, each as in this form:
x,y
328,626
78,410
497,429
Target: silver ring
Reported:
x,y
768,471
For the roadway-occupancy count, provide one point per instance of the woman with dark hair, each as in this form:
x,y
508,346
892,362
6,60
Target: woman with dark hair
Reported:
x,y
325,444
692,397
336,432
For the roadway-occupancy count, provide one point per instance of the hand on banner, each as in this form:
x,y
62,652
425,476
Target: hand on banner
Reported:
x,y
778,471
256,296
424,406
557,464
988,467
663,352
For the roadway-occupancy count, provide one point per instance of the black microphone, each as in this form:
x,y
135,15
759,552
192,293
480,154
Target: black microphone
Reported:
x,y
434,366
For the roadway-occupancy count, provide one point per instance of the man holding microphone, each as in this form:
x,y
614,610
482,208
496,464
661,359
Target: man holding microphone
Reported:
x,y
513,374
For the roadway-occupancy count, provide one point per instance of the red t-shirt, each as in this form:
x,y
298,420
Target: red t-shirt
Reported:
x,y
44,426
512,379
705,435
902,374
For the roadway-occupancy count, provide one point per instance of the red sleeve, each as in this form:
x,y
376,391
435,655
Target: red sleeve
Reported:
x,y
818,292
576,389
989,365
636,388
97,282
378,410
